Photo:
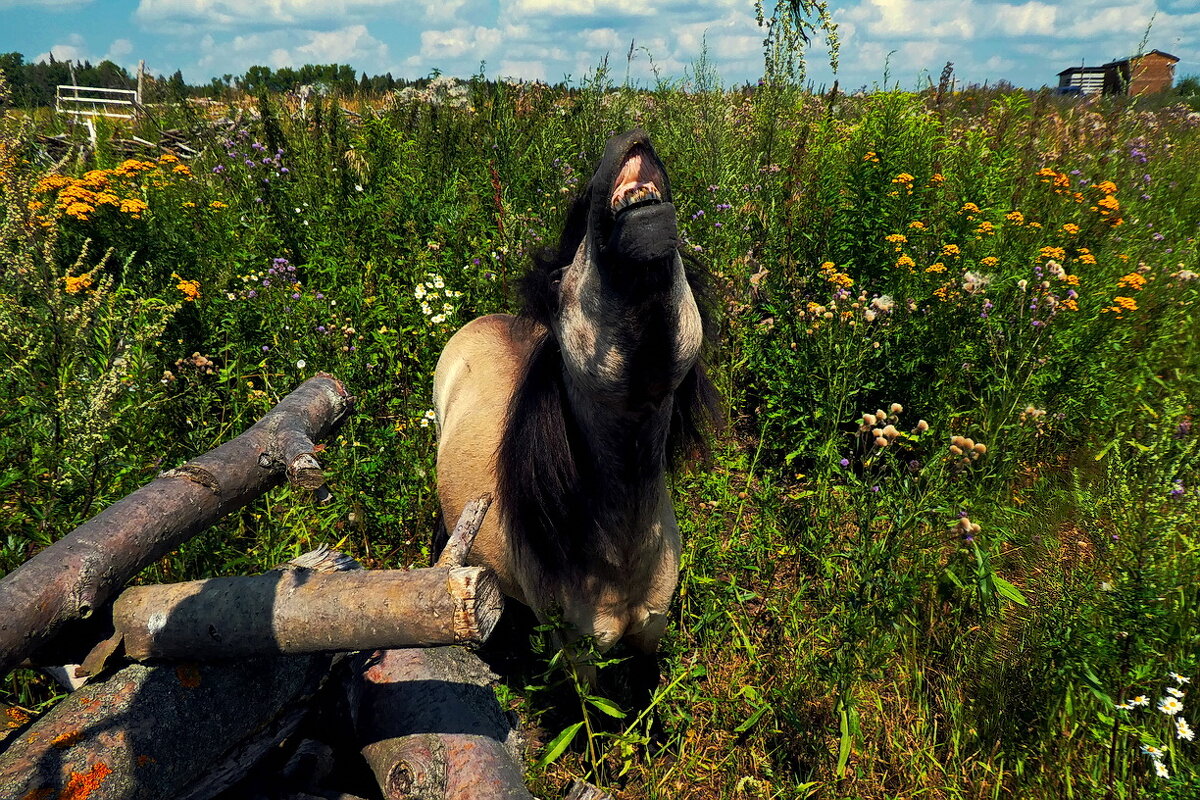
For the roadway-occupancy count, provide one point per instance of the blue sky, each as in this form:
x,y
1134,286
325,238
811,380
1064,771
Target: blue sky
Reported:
x,y
1025,42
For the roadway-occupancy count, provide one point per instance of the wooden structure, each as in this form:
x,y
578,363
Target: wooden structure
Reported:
x,y
246,671
1147,73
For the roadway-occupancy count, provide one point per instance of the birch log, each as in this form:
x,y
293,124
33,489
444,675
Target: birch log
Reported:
x,y
69,579
300,612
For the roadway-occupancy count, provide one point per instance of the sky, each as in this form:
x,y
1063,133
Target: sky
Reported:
x,y
1025,43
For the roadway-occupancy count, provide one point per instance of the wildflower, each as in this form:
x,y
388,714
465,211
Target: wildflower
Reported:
x,y
190,289
1160,769
1133,281
970,208
1087,258
426,309
1178,678
1176,693
951,251
917,225
1123,706
217,205
937,266
1053,253
1107,187
75,284
438,319
1015,217
903,178
986,229
974,283
419,292
1154,752
937,178
1109,205
896,238
1140,700
845,462
989,261
1170,706
922,426
905,261
301,364
871,156
1183,730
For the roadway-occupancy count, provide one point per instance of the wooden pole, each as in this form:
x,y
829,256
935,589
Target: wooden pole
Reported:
x,y
69,579
296,612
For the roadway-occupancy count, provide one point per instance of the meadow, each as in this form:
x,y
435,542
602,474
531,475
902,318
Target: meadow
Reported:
x,y
945,545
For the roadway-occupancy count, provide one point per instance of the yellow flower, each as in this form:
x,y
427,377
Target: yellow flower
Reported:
x,y
133,205
168,158
937,178
1070,304
1108,187
217,205
1133,280
190,289
917,225
989,261
1055,253
936,267
78,283
1015,217
1087,258
189,204
903,178
905,261
1070,228
986,229
871,156
970,208
1109,204
79,211
183,169
951,251
896,238
1072,280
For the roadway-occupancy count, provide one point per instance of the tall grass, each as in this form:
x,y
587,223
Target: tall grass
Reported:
x,y
870,606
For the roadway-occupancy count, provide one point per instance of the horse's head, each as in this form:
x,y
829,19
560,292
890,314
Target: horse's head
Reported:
x,y
615,294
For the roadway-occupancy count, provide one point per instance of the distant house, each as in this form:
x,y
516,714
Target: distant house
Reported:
x,y
1148,73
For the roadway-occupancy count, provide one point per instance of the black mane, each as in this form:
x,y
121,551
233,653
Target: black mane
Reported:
x,y
546,468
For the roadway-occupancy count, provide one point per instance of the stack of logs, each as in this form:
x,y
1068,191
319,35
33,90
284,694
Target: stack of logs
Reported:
x,y
212,688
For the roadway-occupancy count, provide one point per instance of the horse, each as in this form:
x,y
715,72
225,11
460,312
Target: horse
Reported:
x,y
572,412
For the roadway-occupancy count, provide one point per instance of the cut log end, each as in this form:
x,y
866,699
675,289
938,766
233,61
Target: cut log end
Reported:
x,y
479,603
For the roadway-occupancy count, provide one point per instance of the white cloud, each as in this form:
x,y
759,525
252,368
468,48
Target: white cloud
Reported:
x,y
73,49
229,13
293,48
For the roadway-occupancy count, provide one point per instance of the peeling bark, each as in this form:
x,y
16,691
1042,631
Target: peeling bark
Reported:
x,y
81,571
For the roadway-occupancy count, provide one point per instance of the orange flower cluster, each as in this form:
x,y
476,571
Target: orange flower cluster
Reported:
x,y
78,283
1134,280
830,273
118,188
1120,306
190,289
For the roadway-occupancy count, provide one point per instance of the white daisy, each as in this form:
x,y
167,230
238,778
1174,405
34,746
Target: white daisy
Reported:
x,y
1183,730
1161,770
1175,676
1171,690
1140,700
1170,706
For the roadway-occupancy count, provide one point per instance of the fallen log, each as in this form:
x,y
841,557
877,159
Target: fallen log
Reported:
x,y
185,731
69,579
430,727
428,721
298,612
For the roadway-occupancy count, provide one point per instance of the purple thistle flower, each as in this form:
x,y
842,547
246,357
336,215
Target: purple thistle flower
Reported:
x,y
845,462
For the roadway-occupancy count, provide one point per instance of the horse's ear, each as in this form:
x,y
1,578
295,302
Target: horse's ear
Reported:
x,y
542,492
539,296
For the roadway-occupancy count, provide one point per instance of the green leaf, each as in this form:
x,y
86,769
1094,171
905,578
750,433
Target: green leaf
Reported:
x,y
752,720
1007,590
607,706
558,746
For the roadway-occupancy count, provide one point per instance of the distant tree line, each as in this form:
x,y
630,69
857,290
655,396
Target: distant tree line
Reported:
x,y
33,83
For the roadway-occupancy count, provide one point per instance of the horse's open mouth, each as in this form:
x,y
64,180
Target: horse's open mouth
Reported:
x,y
637,183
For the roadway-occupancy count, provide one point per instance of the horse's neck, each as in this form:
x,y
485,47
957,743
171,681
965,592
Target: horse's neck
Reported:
x,y
626,457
